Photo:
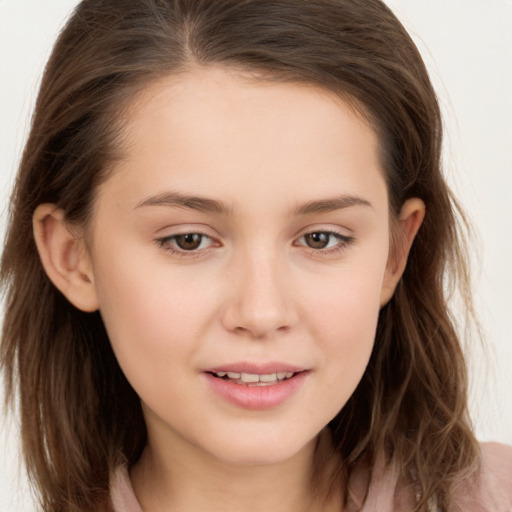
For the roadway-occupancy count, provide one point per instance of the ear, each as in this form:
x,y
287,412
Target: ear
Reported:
x,y
64,257
406,227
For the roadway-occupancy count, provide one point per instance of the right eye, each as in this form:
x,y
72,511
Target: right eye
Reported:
x,y
185,243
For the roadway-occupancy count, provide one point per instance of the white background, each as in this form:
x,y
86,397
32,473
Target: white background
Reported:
x,y
467,45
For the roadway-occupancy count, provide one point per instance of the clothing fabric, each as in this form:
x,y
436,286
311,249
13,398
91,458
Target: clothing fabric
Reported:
x,y
491,491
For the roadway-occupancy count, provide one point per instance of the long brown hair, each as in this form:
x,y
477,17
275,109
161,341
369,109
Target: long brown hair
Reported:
x,y
79,416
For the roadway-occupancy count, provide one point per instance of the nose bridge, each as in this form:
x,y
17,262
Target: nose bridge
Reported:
x,y
261,301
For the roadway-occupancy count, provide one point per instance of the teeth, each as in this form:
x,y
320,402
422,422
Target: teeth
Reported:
x,y
253,378
249,377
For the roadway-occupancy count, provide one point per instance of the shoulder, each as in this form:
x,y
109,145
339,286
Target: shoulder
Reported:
x,y
496,475
490,490
497,462
487,490
121,492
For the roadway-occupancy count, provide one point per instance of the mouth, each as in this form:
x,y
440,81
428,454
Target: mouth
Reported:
x,y
256,386
254,379
256,390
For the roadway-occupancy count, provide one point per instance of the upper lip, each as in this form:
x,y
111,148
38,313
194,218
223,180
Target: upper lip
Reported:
x,y
257,368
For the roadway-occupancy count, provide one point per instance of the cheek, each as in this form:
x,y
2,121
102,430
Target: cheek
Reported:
x,y
344,322
346,302
145,313
349,329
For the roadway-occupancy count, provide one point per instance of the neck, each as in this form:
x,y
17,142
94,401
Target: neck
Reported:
x,y
190,480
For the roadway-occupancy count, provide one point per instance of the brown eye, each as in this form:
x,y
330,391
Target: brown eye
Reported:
x,y
318,240
189,242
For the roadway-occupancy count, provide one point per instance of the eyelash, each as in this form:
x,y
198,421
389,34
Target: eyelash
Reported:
x,y
165,243
343,242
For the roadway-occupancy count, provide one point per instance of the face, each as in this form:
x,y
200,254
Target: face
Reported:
x,y
239,252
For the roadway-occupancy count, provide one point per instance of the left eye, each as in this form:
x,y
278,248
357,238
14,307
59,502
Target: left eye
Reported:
x,y
186,242
322,240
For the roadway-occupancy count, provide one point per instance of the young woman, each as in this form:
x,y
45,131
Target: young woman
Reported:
x,y
226,268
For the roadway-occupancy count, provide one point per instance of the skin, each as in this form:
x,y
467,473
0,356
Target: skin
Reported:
x,y
253,290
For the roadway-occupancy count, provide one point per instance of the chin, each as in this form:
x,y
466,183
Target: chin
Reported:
x,y
261,449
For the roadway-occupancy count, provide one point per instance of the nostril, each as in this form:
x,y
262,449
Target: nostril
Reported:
x,y
258,311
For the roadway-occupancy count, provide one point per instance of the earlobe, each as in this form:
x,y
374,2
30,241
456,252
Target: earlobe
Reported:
x,y
407,225
64,256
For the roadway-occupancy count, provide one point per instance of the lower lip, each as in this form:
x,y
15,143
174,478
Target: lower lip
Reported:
x,y
257,398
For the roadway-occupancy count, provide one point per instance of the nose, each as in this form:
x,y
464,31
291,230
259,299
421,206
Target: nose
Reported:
x,y
260,301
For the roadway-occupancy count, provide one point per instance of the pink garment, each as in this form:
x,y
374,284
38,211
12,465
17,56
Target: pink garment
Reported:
x,y
492,493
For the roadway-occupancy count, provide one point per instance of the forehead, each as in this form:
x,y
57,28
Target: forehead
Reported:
x,y
213,130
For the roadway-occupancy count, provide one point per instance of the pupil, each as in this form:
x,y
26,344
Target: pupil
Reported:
x,y
189,242
317,240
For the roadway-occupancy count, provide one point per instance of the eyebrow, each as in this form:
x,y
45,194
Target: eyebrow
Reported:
x,y
331,204
177,199
208,205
